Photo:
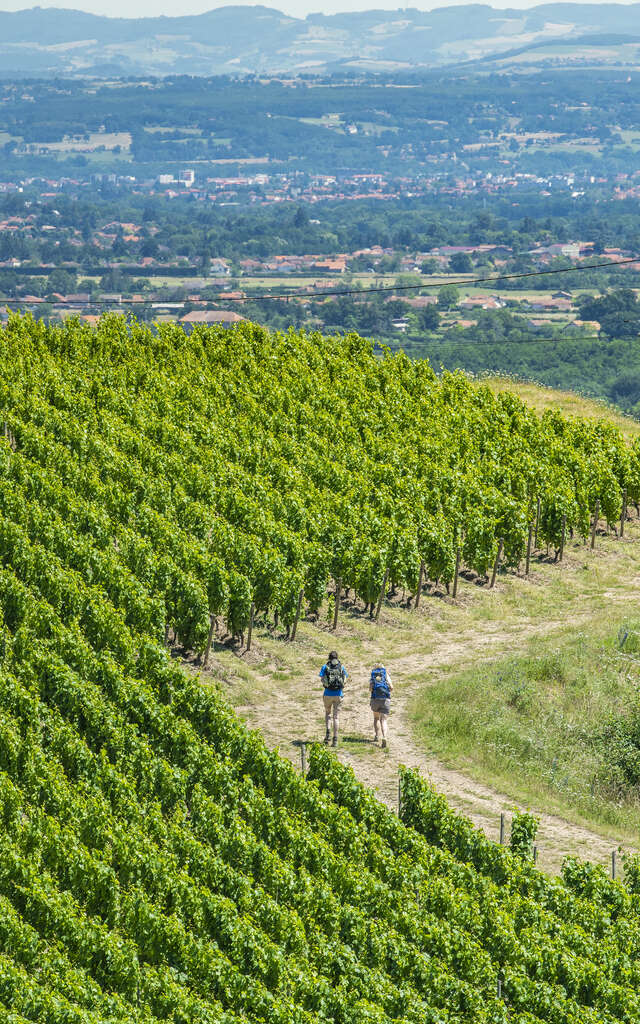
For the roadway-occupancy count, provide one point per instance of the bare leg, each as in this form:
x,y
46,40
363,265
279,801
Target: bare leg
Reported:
x,y
335,712
383,726
376,723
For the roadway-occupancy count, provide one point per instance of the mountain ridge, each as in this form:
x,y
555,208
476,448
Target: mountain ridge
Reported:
x,y
260,39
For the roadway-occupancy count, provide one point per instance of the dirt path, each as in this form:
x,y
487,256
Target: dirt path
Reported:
x,y
378,769
480,802
273,686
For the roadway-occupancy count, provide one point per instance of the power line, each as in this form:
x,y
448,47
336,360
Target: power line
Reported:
x,y
462,282
417,287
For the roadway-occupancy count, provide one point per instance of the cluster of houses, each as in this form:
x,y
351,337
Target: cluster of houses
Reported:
x,y
193,301
265,181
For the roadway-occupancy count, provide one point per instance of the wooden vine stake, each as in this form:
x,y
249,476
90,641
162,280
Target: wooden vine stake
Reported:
x,y
383,589
594,525
457,573
497,562
9,436
529,543
212,626
623,517
298,610
337,606
613,864
252,612
538,508
501,828
420,582
562,537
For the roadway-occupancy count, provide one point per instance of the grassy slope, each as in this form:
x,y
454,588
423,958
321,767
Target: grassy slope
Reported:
x,y
542,398
534,662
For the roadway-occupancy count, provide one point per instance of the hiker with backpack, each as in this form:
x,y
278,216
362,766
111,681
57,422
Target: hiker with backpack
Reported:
x,y
334,676
380,687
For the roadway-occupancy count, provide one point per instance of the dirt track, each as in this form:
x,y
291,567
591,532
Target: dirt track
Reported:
x,y
275,687
378,769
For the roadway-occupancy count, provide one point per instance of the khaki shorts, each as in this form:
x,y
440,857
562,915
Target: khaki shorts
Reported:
x,y
331,702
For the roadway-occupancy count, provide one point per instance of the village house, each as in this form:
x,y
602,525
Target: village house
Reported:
x,y
482,302
226,317
548,304
219,268
584,325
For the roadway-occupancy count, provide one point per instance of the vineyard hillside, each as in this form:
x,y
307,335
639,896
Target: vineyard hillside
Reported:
x,y
541,398
168,501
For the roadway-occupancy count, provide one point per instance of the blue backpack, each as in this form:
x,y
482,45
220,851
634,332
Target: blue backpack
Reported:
x,y
380,689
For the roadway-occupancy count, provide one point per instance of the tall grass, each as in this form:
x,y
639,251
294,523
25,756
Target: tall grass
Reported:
x,y
558,725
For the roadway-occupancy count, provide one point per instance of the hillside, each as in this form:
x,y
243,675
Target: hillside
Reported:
x,y
556,631
157,860
541,399
238,40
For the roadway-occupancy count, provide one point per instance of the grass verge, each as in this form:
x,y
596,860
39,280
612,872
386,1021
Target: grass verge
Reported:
x,y
554,725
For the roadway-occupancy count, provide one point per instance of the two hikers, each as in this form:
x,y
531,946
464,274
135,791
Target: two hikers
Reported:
x,y
334,675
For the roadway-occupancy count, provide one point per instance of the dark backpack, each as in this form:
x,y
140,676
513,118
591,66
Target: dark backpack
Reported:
x,y
333,676
380,689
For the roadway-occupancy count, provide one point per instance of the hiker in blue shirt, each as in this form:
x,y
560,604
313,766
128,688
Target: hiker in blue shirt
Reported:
x,y
380,687
334,676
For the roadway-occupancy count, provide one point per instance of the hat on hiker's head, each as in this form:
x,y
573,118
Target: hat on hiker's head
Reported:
x,y
333,656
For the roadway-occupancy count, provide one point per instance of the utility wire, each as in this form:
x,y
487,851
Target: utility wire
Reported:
x,y
377,289
416,287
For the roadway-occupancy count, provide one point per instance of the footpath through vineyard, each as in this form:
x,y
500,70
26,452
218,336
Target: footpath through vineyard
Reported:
x,y
199,482
275,689
157,862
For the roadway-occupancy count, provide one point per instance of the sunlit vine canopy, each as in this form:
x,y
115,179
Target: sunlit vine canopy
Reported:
x,y
157,862
239,465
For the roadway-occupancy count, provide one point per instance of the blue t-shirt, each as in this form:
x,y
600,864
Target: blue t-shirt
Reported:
x,y
327,691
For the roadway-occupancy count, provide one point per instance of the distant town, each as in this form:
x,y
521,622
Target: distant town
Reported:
x,y
261,188
483,221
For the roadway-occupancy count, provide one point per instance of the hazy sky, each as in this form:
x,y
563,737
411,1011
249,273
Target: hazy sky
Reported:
x,y
299,8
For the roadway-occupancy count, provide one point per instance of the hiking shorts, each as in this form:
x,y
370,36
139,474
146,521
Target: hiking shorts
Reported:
x,y
332,704
381,705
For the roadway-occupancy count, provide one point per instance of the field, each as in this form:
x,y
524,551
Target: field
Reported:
x,y
581,54
630,137
87,144
435,652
